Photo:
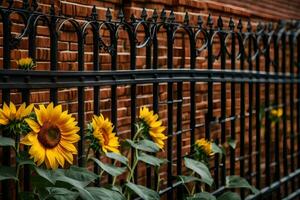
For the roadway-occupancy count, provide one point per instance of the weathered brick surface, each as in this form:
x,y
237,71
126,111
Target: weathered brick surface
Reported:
x,y
263,10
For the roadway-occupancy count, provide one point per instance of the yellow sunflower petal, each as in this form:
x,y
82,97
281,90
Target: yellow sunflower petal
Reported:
x,y
33,125
27,111
29,138
50,156
20,110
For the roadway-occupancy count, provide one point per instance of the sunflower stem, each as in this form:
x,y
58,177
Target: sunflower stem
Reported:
x,y
135,162
87,154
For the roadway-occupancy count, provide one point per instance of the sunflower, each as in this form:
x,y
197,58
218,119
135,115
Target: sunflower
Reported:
x,y
103,132
153,126
25,63
52,137
11,114
277,113
205,146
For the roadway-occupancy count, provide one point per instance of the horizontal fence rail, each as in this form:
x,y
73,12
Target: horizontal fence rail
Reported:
x,y
257,67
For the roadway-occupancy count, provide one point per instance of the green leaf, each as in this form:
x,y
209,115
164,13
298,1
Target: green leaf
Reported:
x,y
81,174
151,160
144,145
231,143
143,192
111,169
61,193
8,173
188,179
199,168
26,196
239,182
25,161
118,157
104,194
47,174
6,141
216,149
229,196
202,196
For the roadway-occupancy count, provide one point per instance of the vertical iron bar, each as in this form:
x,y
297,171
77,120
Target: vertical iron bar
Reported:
x,y
53,50
232,107
81,100
257,122
250,107
277,128
170,110
284,152
267,112
6,94
298,106
292,134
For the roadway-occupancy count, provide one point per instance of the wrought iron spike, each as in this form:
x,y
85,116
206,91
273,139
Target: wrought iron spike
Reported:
x,y
200,21
132,17
220,22
240,25
154,15
172,16
270,26
163,15
10,3
210,21
108,15
249,26
121,15
94,13
259,26
231,24
52,8
186,18
34,4
144,14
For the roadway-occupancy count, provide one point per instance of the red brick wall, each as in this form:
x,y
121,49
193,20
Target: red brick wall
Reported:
x,y
264,10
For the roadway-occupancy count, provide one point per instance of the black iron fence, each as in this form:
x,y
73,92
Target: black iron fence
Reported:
x,y
257,70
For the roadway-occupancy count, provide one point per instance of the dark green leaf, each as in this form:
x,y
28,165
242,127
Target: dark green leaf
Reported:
x,y
229,196
26,196
144,145
6,141
216,149
8,173
239,182
151,160
104,194
25,161
80,174
110,169
231,143
47,174
202,196
188,179
143,192
118,157
199,168
61,193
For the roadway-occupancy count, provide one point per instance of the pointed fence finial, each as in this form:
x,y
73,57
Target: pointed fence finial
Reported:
x,y
163,15
220,23
144,14
25,4
132,18
259,26
210,21
249,26
52,8
154,15
231,24
186,18
108,15
270,26
172,16
121,15
94,13
200,21
34,4
240,25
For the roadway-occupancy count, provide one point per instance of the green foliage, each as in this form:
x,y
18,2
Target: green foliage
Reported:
x,y
229,196
144,145
199,168
118,157
239,182
231,143
8,173
143,192
151,160
110,169
7,142
202,196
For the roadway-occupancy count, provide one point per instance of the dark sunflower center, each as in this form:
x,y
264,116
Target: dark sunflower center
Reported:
x,y
49,135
